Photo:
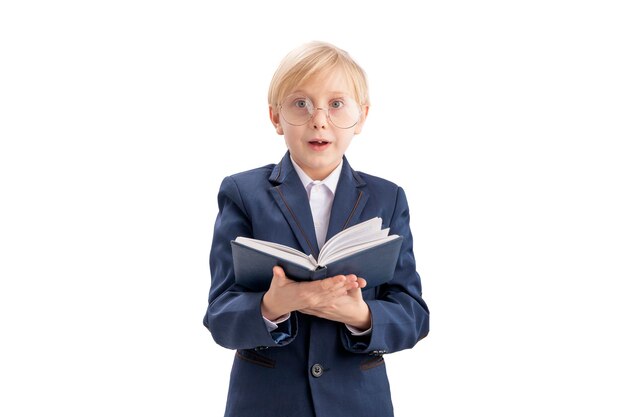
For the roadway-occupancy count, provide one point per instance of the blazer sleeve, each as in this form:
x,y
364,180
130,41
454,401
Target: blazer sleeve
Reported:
x,y
234,314
400,317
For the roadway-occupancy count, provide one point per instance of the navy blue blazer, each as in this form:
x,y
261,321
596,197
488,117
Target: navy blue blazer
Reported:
x,y
309,367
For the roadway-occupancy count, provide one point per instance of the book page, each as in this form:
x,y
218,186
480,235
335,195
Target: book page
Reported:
x,y
347,251
347,241
279,251
362,232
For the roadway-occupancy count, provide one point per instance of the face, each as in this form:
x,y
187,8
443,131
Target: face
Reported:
x,y
318,145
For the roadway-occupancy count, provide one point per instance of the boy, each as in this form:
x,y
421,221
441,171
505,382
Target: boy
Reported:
x,y
312,349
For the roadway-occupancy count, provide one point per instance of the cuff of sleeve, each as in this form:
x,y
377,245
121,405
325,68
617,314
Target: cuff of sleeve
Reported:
x,y
273,325
357,332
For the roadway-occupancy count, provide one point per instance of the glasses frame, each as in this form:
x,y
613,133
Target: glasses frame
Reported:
x,y
327,111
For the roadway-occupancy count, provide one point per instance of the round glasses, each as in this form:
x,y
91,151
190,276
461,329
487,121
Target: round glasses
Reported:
x,y
342,112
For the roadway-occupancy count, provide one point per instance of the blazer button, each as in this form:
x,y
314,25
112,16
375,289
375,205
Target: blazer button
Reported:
x,y
317,370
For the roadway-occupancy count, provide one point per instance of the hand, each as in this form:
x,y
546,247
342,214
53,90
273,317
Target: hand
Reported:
x,y
349,308
286,295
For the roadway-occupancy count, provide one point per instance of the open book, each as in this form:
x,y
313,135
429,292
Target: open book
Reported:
x,y
364,249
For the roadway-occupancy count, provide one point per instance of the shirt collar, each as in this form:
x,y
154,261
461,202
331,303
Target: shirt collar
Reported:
x,y
330,181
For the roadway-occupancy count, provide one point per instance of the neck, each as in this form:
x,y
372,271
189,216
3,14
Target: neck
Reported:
x,y
318,175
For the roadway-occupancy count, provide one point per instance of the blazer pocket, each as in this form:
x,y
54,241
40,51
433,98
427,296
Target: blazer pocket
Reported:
x,y
371,363
255,358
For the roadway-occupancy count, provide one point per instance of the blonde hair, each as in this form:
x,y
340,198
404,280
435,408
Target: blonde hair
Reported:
x,y
309,60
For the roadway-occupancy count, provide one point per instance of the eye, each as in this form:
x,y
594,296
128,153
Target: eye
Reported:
x,y
336,104
300,103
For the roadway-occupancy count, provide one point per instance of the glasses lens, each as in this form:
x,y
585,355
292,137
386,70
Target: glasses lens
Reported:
x,y
342,112
297,110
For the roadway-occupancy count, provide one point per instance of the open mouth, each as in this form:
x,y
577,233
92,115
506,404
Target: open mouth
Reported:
x,y
319,144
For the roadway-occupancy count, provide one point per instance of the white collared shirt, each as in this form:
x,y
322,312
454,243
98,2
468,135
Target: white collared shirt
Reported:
x,y
321,196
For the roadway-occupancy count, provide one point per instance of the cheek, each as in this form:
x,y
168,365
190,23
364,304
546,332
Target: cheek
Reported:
x,y
292,133
291,137
345,140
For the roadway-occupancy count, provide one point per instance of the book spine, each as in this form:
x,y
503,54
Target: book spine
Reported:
x,y
320,273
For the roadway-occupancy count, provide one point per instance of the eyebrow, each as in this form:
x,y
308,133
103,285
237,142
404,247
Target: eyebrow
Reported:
x,y
341,93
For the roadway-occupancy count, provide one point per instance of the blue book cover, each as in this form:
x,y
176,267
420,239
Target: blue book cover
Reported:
x,y
374,260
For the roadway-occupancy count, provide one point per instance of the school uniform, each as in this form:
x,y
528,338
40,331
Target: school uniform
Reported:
x,y
306,366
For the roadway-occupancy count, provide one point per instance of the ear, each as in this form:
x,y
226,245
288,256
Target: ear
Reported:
x,y
275,118
359,126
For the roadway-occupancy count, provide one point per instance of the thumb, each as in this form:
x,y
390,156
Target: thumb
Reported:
x,y
278,272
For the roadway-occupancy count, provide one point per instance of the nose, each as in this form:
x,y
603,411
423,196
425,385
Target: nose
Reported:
x,y
319,118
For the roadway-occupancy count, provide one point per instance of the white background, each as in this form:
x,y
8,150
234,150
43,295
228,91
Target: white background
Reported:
x,y
503,121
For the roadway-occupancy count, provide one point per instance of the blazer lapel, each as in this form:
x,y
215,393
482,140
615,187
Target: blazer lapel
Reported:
x,y
292,199
350,198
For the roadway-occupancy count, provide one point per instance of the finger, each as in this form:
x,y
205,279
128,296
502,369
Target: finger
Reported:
x,y
343,287
332,283
280,277
362,282
350,283
339,292
278,272
351,278
349,286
